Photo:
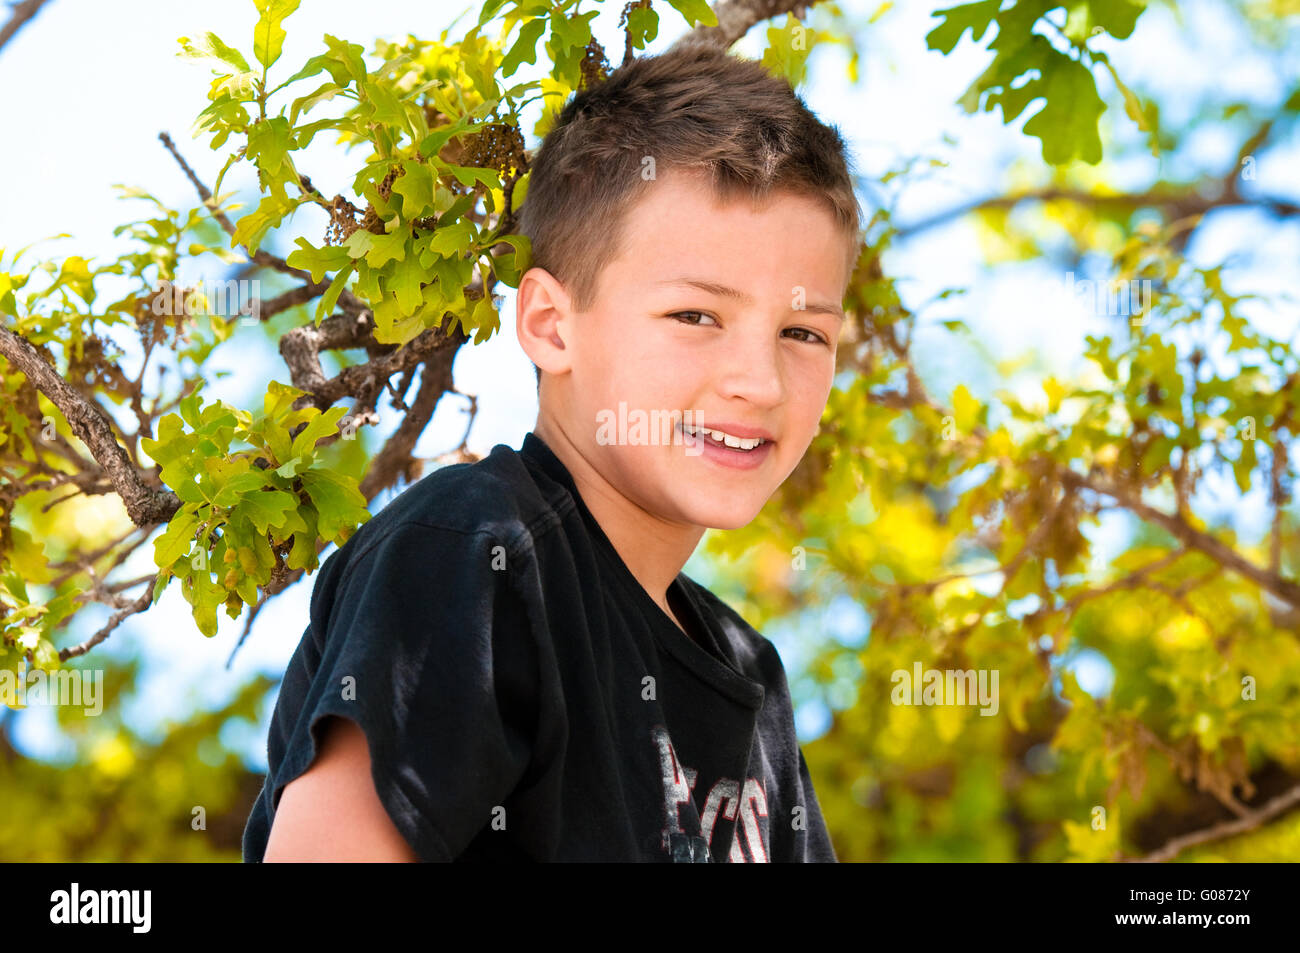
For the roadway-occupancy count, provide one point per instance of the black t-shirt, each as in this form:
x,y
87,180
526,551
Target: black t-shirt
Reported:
x,y
524,698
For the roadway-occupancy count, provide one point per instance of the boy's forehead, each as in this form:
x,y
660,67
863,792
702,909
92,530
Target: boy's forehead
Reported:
x,y
679,227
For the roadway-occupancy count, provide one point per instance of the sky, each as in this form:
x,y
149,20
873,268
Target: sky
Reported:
x,y
89,85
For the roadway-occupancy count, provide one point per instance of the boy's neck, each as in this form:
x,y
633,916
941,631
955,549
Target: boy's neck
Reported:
x,y
653,549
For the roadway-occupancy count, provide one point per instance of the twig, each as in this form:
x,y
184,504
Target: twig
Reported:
x,y
1247,822
139,605
1179,205
1288,590
23,12
295,296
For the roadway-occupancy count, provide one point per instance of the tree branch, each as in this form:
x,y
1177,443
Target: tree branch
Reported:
x,y
1285,589
1247,822
1178,205
735,17
23,12
395,459
145,505
117,618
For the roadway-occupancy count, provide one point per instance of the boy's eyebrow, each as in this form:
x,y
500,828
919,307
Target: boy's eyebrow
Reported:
x,y
725,291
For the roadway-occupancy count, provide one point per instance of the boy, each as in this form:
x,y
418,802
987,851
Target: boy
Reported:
x,y
516,667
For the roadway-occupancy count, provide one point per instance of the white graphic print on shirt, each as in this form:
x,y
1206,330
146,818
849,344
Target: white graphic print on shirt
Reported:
x,y
727,796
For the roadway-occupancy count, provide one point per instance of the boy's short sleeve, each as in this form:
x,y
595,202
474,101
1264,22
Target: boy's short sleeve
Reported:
x,y
427,647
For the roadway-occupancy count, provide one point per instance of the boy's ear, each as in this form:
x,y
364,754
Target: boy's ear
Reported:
x,y
543,317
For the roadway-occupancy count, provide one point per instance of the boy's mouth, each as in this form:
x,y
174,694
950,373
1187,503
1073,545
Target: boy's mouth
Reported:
x,y
725,448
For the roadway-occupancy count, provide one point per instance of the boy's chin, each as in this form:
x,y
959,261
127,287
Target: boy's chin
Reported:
x,y
732,516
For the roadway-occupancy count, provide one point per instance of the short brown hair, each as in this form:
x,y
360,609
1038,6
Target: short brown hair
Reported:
x,y
694,107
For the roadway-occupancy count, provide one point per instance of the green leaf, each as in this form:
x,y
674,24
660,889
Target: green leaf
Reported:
x,y
511,266
331,295
392,324
168,446
45,656
787,50
204,596
405,282
453,239
279,399
265,508
318,261
320,425
75,274
212,47
468,175
252,228
269,144
268,35
975,17
159,584
303,135
303,553
524,48
239,486
322,93
1067,123
175,542
390,246
574,32
486,319
290,469
415,186
59,608
387,108
27,555
359,243
695,11
490,7
1116,17
339,504
642,26
1134,109
347,55
313,66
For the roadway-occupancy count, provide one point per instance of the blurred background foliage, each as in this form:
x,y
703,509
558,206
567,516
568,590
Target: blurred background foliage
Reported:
x,y
1076,536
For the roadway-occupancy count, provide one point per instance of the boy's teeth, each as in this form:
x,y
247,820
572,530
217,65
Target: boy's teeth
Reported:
x,y
736,443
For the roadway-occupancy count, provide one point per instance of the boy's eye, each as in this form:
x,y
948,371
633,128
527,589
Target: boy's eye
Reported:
x,y
811,337
678,314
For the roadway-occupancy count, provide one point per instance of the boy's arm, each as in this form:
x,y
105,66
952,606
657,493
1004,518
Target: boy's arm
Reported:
x,y
331,812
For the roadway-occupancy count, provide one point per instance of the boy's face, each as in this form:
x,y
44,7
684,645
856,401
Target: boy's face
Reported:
x,y
761,360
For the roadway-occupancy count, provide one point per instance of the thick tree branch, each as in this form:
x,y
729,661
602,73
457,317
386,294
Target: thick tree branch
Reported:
x,y
735,17
301,349
145,505
395,459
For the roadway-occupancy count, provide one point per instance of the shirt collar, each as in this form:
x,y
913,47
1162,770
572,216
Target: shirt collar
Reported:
x,y
537,452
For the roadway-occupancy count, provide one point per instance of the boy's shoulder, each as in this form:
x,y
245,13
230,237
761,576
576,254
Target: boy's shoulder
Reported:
x,y
496,495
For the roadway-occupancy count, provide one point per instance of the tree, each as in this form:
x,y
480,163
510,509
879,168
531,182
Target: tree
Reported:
x,y
238,503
